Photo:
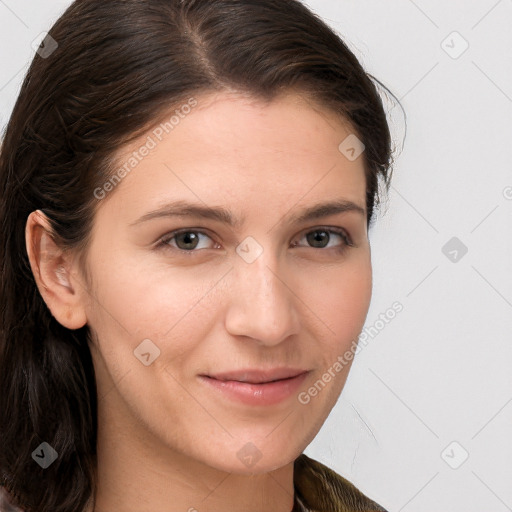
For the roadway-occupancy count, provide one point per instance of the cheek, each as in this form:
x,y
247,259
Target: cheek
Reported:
x,y
135,295
134,302
341,299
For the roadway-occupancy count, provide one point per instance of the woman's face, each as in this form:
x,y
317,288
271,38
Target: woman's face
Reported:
x,y
271,288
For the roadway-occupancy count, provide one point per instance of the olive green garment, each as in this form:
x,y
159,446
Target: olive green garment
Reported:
x,y
320,489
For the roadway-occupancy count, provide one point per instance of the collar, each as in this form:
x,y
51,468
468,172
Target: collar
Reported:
x,y
320,489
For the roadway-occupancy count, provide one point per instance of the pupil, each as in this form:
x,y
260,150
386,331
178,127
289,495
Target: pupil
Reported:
x,y
189,238
315,238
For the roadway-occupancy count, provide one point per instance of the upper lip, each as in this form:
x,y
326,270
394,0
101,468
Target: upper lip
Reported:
x,y
255,376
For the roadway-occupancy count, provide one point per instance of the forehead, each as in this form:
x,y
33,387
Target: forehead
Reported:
x,y
233,148
292,123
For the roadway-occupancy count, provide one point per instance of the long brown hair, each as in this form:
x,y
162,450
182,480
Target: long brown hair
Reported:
x,y
118,65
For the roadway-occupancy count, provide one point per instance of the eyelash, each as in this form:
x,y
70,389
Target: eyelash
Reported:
x,y
163,243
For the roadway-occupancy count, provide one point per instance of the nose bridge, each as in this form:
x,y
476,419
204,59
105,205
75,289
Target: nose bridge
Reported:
x,y
262,305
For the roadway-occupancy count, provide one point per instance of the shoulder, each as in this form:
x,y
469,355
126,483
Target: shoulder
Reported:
x,y
320,489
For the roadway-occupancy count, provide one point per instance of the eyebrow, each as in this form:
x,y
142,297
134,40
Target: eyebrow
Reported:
x,y
220,214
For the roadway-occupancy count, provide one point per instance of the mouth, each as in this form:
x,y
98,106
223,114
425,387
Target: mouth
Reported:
x,y
254,388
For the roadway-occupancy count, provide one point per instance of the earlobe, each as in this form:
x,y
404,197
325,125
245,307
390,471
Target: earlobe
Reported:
x,y
54,273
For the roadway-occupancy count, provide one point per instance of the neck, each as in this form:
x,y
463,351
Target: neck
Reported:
x,y
137,473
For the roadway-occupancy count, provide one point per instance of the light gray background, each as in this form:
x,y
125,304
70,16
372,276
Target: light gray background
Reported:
x,y
439,372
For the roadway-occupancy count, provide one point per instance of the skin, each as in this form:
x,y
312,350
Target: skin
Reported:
x,y
165,440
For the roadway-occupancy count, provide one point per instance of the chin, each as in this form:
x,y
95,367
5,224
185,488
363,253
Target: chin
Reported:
x,y
255,458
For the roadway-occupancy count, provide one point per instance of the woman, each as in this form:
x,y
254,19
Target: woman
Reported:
x,y
185,261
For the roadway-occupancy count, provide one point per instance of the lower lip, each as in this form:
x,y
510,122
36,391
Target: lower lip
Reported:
x,y
269,393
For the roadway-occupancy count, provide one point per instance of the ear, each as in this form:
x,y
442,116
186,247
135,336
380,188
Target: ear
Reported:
x,y
55,274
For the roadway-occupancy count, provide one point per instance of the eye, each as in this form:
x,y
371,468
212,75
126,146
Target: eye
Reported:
x,y
320,238
185,240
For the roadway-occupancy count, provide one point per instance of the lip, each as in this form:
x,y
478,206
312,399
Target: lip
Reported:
x,y
268,391
256,376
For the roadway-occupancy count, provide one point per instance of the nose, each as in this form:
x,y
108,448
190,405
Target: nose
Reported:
x,y
263,305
